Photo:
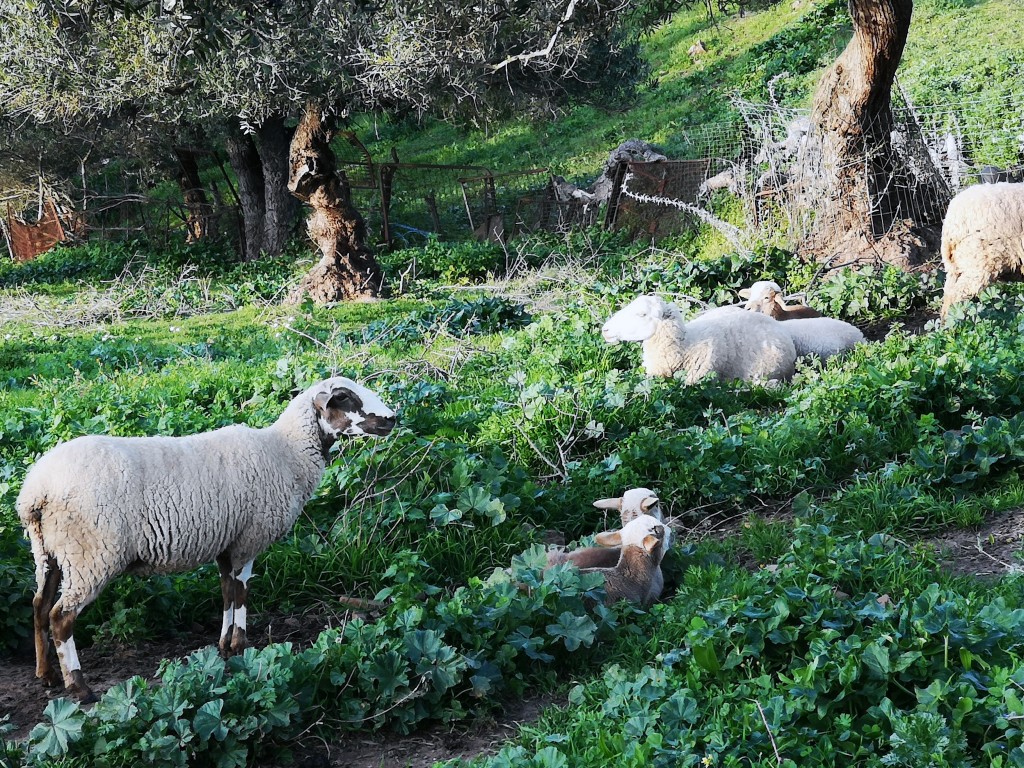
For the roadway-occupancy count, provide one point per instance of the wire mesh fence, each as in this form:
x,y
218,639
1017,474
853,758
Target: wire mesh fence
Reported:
x,y
768,158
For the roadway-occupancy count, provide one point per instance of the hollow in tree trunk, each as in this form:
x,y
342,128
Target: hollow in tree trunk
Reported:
x,y
868,202
347,268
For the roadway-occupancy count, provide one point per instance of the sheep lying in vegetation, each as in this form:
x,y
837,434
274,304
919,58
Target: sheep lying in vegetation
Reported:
x,y
634,503
636,576
982,240
765,297
97,506
813,335
727,342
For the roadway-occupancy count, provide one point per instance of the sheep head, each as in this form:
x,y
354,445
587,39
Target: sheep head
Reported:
x,y
637,321
346,408
645,532
761,295
632,504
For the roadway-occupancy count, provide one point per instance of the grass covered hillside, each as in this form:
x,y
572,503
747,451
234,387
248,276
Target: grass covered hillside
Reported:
x,y
808,612
958,52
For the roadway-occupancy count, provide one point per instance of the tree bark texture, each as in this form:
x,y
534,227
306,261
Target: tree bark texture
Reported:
x,y
347,268
260,164
281,208
197,208
245,161
866,199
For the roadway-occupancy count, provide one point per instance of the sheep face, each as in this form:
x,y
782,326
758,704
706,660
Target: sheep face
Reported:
x,y
645,531
637,321
634,502
763,293
346,408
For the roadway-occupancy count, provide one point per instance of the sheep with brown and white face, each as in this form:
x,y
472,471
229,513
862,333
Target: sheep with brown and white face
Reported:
x,y
632,504
99,506
765,296
813,335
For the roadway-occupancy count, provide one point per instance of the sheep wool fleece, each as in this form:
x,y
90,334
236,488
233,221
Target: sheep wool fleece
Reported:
x,y
106,505
982,240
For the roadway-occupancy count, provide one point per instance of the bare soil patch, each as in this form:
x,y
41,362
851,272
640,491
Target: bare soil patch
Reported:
x,y
422,748
986,552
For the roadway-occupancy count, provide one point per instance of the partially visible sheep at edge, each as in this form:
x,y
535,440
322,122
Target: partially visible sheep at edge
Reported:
x,y
728,342
636,576
813,334
99,506
765,297
982,240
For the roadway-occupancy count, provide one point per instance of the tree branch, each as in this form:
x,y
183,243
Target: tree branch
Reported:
x,y
546,50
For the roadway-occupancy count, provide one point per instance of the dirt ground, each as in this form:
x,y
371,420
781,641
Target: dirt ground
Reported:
x,y
23,699
988,552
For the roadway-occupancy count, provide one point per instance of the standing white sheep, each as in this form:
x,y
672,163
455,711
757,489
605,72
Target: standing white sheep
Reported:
x,y
982,240
728,342
98,506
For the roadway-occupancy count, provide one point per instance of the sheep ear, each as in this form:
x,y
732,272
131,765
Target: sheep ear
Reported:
x,y
338,398
744,293
609,539
608,503
649,502
654,538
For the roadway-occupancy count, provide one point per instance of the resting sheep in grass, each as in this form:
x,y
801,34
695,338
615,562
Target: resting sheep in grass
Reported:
x,y
765,297
636,576
634,503
727,342
813,335
98,506
982,240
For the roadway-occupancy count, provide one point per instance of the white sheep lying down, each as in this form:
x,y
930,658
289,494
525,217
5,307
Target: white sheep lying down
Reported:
x,y
98,506
813,335
728,342
982,240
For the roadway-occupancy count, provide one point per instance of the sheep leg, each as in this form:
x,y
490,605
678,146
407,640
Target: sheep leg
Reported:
x,y
63,623
228,593
48,581
234,585
238,639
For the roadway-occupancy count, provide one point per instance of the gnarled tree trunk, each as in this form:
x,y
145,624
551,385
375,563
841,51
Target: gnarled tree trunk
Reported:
x,y
866,198
197,207
261,167
347,268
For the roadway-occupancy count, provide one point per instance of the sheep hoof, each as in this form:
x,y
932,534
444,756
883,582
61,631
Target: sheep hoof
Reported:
x,y
82,692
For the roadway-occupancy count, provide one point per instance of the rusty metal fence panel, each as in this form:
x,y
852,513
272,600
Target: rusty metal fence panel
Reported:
x,y
652,200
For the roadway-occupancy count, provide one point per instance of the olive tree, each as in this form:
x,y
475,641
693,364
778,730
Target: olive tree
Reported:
x,y
241,73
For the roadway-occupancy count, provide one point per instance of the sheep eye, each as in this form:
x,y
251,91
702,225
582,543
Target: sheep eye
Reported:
x,y
641,314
